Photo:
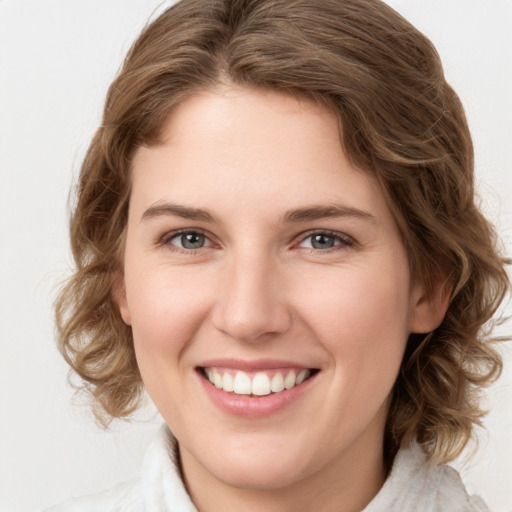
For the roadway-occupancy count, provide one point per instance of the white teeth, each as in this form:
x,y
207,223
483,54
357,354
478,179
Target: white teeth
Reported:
x,y
217,379
277,383
242,384
301,377
289,380
227,382
261,384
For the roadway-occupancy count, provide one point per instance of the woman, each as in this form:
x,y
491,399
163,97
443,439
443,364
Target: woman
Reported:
x,y
276,236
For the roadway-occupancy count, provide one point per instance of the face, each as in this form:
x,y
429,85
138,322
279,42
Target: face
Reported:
x,y
268,291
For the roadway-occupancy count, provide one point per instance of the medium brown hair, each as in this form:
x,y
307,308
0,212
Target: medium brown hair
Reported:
x,y
400,121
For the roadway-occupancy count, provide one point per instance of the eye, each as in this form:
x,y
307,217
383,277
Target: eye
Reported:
x,y
188,240
324,240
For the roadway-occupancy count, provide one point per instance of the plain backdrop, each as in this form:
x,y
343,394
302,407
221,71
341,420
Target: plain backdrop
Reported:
x,y
57,58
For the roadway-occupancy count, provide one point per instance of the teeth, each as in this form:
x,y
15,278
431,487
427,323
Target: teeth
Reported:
x,y
217,379
277,383
242,384
259,385
289,380
227,382
301,377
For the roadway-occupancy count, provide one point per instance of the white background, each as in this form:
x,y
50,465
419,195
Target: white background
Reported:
x,y
57,58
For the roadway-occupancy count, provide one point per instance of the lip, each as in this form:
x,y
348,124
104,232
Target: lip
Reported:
x,y
252,366
250,406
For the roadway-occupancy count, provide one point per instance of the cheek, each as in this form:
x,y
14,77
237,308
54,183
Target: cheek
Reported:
x,y
362,320
166,308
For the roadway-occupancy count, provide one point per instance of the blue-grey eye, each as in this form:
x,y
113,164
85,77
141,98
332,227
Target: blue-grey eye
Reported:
x,y
322,241
325,240
190,240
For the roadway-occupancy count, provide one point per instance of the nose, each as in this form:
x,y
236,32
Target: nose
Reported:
x,y
251,303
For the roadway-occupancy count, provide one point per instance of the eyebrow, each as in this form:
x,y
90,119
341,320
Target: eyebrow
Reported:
x,y
317,212
177,210
307,213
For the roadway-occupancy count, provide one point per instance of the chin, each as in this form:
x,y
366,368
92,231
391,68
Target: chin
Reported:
x,y
259,462
270,474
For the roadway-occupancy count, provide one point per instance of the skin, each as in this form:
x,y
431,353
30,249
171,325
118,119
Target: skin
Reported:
x,y
257,288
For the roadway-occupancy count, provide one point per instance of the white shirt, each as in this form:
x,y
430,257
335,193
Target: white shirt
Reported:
x,y
413,485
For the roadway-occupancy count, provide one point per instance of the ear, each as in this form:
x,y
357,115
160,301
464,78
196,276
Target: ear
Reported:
x,y
429,306
119,295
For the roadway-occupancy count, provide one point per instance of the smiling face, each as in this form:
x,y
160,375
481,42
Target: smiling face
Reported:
x,y
259,259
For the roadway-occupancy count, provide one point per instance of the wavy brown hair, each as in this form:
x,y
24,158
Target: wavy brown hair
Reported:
x,y
399,120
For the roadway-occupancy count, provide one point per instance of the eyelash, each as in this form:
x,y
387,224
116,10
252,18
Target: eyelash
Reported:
x,y
343,241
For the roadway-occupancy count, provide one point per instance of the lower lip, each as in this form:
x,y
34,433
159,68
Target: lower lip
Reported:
x,y
250,406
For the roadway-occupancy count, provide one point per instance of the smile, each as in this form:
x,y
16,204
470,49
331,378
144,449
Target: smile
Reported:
x,y
255,389
259,383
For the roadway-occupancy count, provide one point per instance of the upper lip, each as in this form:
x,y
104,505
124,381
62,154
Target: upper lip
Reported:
x,y
252,365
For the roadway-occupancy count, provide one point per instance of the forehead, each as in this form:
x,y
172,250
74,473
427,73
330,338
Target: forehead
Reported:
x,y
253,149
252,119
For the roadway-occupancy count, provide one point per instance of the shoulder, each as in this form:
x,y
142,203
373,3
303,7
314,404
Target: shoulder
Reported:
x,y
158,487
415,484
452,495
